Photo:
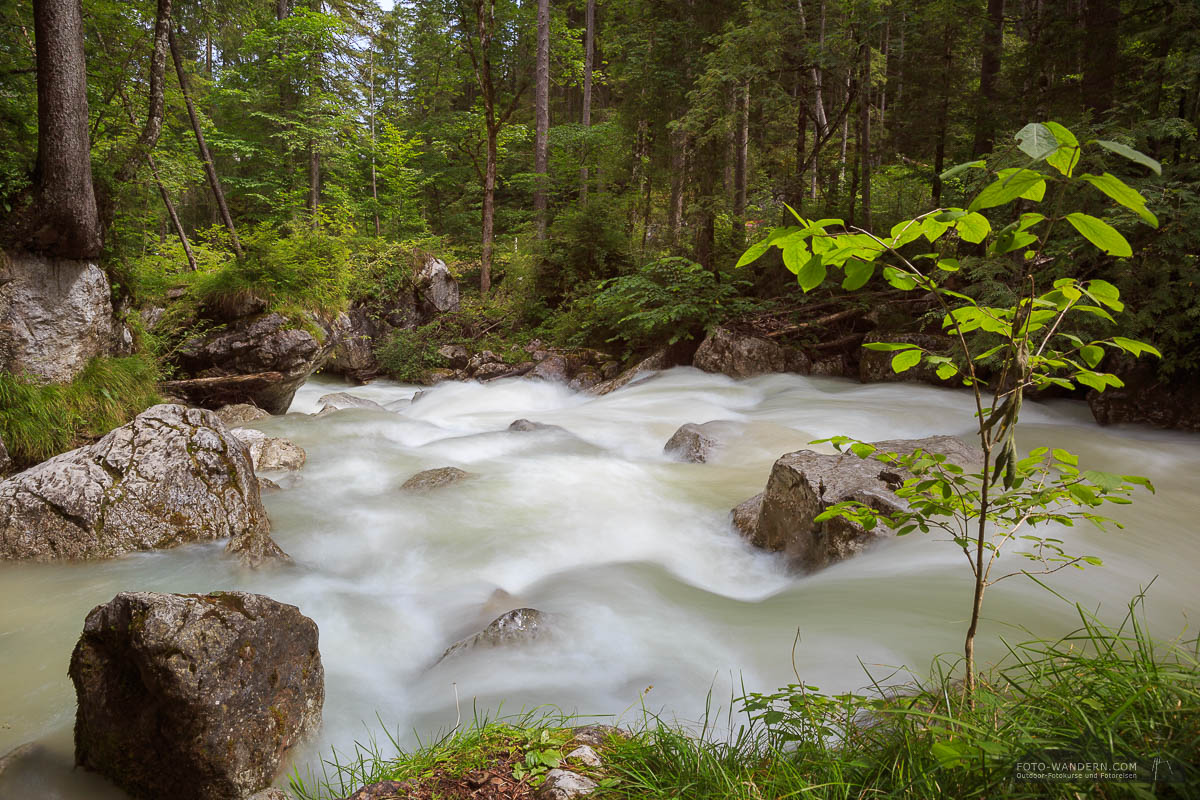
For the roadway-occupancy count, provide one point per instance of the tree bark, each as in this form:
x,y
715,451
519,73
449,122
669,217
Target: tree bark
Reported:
x,y
864,134
589,46
741,157
65,218
154,115
1101,51
206,159
939,158
989,71
679,166
541,103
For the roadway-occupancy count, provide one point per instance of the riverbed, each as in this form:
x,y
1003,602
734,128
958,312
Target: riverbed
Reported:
x,y
658,603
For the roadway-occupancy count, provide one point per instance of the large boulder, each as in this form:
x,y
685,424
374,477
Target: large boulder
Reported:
x,y
353,355
172,475
280,350
197,696
55,315
805,483
551,368
740,356
513,627
339,401
437,291
269,452
6,462
1148,398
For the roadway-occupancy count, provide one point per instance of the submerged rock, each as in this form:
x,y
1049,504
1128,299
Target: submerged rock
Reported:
x,y
56,314
805,483
741,356
528,426
239,414
271,453
435,479
338,401
692,443
198,696
551,368
514,627
172,475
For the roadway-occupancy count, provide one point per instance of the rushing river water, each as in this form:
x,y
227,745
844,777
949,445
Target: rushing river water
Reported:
x,y
631,551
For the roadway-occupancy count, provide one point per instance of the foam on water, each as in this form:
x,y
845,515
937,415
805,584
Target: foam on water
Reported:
x,y
632,553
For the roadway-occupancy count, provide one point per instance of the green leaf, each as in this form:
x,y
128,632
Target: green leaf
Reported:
x,y
795,253
901,280
1011,184
1065,457
862,449
858,272
1105,293
947,371
1092,355
1101,234
812,274
888,347
1124,194
753,254
1135,347
974,228
1036,141
1066,156
933,229
1131,154
1105,480
906,360
950,173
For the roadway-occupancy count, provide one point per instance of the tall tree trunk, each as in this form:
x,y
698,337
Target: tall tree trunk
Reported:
x,y
314,179
489,211
797,198
589,47
864,134
374,179
541,104
989,71
741,156
943,118
65,220
845,129
154,115
206,158
1101,51
817,72
679,166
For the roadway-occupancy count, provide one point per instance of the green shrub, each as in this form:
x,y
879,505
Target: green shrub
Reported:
x,y
407,355
38,421
663,302
583,245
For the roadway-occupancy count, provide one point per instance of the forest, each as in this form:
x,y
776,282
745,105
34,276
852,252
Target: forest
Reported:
x,y
400,300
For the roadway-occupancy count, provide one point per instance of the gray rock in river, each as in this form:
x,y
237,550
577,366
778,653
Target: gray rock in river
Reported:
x,y
172,475
271,453
239,414
514,627
805,483
339,401
435,479
692,443
56,314
196,696
741,356
528,426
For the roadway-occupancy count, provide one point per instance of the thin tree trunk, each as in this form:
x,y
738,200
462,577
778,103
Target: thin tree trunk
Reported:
x,y
314,179
679,164
589,46
817,72
741,156
864,134
1101,55
989,71
65,220
154,116
489,212
939,159
374,180
845,132
206,158
541,104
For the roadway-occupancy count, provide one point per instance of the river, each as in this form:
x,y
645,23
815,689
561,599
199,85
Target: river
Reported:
x,y
658,602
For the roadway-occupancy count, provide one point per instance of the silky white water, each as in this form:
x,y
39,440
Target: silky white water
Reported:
x,y
631,551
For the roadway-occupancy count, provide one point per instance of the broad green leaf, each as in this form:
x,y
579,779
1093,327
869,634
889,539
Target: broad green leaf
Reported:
x,y
906,360
1101,234
795,253
794,214
1065,457
900,280
1029,219
753,254
947,371
1008,186
1131,154
1013,240
974,228
1036,141
888,347
1096,311
1124,194
904,232
862,449
1135,347
948,264
1066,156
858,272
950,173
812,274
933,229
1092,355
1105,480
1105,293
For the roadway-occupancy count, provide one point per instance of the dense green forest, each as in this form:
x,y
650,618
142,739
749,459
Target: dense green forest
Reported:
x,y
566,191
